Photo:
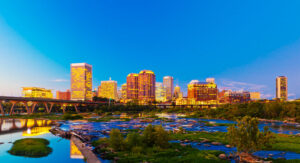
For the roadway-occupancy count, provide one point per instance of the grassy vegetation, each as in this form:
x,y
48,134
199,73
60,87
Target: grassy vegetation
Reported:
x,y
286,143
69,116
36,116
151,146
31,147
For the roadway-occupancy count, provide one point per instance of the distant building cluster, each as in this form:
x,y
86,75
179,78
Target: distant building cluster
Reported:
x,y
142,88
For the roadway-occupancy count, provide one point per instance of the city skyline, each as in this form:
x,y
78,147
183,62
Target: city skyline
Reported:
x,y
242,52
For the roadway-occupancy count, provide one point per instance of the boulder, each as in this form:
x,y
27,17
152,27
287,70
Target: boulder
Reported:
x,y
216,143
228,146
222,156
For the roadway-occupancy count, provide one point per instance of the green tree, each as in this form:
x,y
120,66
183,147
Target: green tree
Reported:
x,y
133,140
116,140
161,137
149,136
246,136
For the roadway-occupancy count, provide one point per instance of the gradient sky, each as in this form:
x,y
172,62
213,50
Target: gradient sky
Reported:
x,y
243,44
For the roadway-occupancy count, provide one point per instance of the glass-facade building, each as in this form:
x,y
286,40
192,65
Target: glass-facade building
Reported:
x,y
160,92
81,82
168,83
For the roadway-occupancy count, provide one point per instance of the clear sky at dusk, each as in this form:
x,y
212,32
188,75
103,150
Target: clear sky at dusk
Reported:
x,y
243,44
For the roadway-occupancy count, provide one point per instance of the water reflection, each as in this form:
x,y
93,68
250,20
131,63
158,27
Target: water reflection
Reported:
x,y
31,126
74,151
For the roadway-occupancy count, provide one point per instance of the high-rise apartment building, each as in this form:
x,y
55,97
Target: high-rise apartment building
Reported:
x,y
63,95
36,92
160,92
282,88
146,86
108,89
203,92
132,86
81,82
169,86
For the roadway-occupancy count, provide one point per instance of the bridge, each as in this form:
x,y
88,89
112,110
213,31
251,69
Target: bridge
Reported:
x,y
48,103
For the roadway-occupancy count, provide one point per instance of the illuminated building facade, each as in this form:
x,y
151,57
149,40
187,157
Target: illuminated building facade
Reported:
x,y
81,82
108,89
177,92
160,92
255,96
234,97
169,86
132,86
282,88
36,92
124,91
202,92
63,95
146,86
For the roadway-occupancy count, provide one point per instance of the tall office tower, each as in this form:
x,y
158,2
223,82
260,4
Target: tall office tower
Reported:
x,y
160,92
210,80
203,92
177,92
168,84
124,91
282,88
132,86
81,82
146,86
108,89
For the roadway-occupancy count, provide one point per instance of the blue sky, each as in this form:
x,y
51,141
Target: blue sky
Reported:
x,y
243,44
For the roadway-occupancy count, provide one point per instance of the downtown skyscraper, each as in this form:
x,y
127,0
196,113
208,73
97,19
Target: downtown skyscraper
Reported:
x,y
168,83
146,86
108,89
282,88
132,86
81,81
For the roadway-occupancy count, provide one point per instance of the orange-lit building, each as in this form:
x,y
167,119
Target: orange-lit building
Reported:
x,y
169,86
234,97
282,88
81,82
255,96
63,95
203,92
132,86
146,87
36,92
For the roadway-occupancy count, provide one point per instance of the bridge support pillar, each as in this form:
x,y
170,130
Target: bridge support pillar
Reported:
x,y
33,107
1,109
64,108
12,107
51,105
26,107
75,105
46,106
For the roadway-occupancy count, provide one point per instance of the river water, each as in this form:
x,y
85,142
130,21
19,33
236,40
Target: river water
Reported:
x,y
64,150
